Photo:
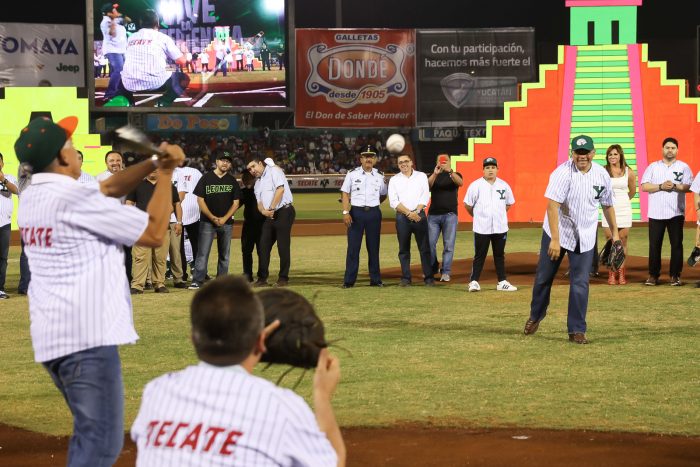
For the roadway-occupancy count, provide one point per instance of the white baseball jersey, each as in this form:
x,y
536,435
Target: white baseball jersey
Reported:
x,y
364,188
145,65
73,235
189,176
489,202
272,178
86,179
409,191
116,44
665,204
580,194
6,202
695,186
216,416
102,176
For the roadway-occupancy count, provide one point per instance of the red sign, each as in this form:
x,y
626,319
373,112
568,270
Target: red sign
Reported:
x,y
360,78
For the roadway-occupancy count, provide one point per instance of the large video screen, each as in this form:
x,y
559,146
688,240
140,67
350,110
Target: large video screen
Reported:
x,y
188,54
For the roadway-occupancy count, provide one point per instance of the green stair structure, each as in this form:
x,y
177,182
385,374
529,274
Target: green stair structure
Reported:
x,y
602,106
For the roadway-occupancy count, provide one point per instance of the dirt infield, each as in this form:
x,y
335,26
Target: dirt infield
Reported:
x,y
425,446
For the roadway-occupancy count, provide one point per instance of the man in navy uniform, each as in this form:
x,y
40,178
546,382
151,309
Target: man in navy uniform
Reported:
x,y
363,190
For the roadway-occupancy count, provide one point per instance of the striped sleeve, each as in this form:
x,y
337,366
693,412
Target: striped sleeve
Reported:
x,y
687,175
695,187
559,184
108,218
608,198
472,195
510,197
304,442
648,173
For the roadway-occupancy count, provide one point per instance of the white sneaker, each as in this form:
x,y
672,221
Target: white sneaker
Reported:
x,y
445,278
474,286
506,286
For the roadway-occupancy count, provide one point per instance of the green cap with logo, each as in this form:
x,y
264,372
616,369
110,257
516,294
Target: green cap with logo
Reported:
x,y
582,142
40,142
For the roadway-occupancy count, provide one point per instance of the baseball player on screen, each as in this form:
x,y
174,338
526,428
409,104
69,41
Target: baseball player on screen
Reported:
x,y
217,413
79,302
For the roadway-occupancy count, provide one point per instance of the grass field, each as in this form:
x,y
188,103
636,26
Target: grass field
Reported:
x,y
439,356
324,206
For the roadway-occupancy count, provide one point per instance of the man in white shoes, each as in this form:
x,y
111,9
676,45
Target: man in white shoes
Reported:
x,y
487,201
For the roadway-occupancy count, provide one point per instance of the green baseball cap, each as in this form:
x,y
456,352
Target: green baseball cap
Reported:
x,y
40,142
582,142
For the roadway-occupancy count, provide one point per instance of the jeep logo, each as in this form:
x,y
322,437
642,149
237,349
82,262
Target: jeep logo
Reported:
x,y
70,68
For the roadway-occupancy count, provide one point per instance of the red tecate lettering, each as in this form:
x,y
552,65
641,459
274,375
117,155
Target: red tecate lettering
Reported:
x,y
214,430
149,429
161,432
192,438
171,441
230,441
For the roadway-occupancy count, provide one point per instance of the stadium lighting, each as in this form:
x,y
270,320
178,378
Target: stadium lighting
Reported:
x,y
171,11
273,7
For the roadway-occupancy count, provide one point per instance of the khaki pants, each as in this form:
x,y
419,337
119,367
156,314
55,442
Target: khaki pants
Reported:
x,y
174,251
144,259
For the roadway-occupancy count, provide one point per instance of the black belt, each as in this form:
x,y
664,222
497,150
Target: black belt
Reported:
x,y
288,205
365,208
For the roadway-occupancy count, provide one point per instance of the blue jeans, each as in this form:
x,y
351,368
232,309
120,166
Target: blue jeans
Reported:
x,y
207,232
447,223
91,384
579,269
116,63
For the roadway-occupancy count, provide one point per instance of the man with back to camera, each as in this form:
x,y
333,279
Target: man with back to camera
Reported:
x,y
275,203
576,188
667,181
488,200
218,413
363,190
113,46
409,193
145,66
79,302
8,187
218,195
442,216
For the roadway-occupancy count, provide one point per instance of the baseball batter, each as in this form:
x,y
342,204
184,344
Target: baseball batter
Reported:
x,y
575,190
79,302
217,413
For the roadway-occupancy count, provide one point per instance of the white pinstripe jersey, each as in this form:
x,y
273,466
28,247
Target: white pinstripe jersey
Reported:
x,y
6,202
409,191
102,176
695,186
489,202
365,189
215,416
665,204
116,44
86,179
580,194
189,176
272,178
145,65
79,295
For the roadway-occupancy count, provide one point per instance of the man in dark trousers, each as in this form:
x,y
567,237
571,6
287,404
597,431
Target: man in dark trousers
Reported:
x,y
218,195
275,203
363,191
253,222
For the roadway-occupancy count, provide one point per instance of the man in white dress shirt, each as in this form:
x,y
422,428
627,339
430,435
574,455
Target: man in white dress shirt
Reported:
x,y
218,412
8,187
576,188
667,181
488,200
409,193
76,231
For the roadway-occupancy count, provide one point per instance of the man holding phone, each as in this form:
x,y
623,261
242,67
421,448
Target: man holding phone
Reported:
x,y
442,217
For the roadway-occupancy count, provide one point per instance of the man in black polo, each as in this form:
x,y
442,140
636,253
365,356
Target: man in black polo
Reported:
x,y
218,195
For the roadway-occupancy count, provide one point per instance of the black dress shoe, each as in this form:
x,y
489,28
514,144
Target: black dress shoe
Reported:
x,y
376,284
135,291
180,285
404,283
261,283
348,286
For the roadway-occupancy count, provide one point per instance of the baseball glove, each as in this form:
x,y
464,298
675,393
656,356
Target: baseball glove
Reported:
x,y
613,255
694,257
300,337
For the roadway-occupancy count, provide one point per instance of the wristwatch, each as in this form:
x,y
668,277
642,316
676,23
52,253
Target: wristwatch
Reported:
x,y
346,212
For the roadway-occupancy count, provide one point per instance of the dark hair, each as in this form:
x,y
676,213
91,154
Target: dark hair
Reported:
x,y
623,162
82,158
113,152
1,157
149,18
670,140
227,319
247,177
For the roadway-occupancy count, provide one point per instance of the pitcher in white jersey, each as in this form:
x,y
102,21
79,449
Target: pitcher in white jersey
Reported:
x,y
217,413
624,185
79,303
576,188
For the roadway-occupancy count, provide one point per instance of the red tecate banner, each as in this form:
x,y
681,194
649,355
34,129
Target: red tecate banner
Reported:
x,y
360,78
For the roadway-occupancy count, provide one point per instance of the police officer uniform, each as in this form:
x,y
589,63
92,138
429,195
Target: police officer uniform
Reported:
x,y
366,190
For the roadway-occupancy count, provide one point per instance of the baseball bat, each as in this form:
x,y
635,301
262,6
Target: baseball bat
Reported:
x,y
138,140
